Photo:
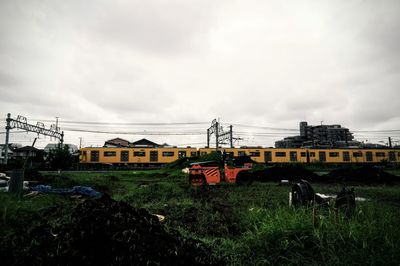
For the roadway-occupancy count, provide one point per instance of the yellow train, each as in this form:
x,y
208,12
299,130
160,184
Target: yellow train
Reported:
x,y
142,157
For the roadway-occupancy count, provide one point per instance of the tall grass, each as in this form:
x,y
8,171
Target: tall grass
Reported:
x,y
244,225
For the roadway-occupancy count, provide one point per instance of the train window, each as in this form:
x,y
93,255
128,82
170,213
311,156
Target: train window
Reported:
x,y
193,153
357,154
241,153
124,156
168,154
368,156
303,154
255,154
280,154
267,156
312,154
333,154
94,156
84,153
181,154
346,156
380,154
139,153
203,153
110,154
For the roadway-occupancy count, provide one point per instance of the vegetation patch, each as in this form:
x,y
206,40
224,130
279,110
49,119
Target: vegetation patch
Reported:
x,y
230,224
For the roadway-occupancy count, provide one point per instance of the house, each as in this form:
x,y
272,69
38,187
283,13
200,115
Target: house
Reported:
x,y
10,151
144,143
27,151
117,142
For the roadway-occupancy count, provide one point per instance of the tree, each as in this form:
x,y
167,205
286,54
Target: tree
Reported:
x,y
60,158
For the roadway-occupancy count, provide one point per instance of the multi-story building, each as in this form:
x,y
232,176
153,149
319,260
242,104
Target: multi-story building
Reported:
x,y
319,136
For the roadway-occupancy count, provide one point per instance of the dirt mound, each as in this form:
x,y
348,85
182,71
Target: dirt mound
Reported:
x,y
291,173
108,232
363,175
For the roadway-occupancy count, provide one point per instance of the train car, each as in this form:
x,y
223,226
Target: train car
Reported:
x,y
158,156
305,155
354,155
134,156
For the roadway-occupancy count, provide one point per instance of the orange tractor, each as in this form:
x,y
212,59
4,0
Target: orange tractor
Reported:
x,y
211,173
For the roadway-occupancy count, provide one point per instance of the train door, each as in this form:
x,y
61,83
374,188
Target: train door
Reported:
x,y
293,156
153,156
94,156
368,156
322,156
267,156
346,156
392,156
124,156
181,154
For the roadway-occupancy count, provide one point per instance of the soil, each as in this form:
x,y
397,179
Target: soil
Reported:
x,y
350,175
360,175
291,173
104,232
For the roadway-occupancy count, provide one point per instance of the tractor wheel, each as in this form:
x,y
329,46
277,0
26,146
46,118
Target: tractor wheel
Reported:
x,y
197,180
244,178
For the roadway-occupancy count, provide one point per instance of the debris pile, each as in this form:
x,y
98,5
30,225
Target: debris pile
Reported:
x,y
358,175
108,232
364,174
291,173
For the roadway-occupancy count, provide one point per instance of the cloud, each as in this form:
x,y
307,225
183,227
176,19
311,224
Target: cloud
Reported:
x,y
269,63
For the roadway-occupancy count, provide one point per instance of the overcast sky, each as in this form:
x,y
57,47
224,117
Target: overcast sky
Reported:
x,y
264,63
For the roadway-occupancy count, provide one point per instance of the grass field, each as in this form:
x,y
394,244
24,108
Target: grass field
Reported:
x,y
244,225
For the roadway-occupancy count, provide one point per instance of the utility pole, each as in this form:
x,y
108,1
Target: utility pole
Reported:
x,y
208,137
7,138
231,136
216,136
80,142
390,142
220,136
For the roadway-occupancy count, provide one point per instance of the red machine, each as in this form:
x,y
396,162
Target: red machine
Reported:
x,y
209,173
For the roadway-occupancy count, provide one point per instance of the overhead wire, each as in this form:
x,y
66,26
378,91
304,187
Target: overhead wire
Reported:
x,y
136,133
187,129
124,123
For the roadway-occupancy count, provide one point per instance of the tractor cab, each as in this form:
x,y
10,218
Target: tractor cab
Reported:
x,y
210,172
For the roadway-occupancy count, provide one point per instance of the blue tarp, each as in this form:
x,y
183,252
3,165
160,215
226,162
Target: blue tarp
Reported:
x,y
82,190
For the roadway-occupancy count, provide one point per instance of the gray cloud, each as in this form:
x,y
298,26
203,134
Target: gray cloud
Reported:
x,y
251,62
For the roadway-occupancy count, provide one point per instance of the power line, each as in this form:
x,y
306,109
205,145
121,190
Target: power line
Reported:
x,y
136,133
125,123
263,127
376,131
190,123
